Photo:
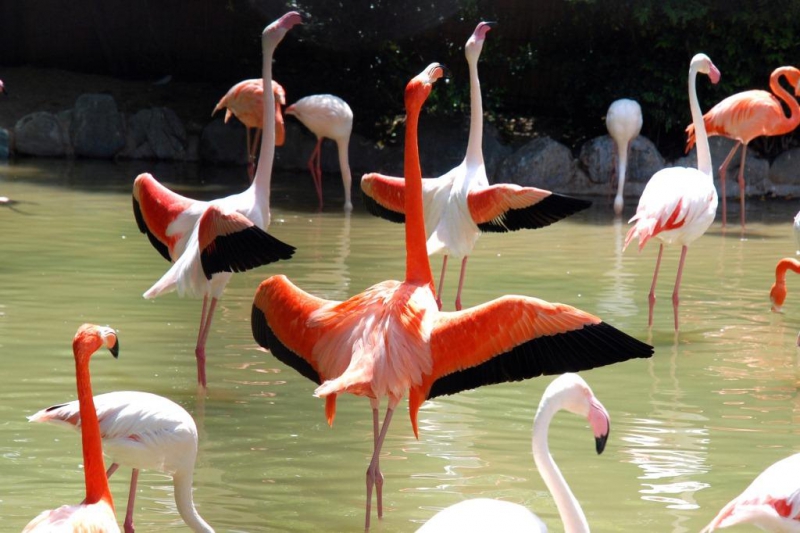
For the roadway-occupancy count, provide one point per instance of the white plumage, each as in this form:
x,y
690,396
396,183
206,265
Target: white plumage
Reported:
x,y
624,122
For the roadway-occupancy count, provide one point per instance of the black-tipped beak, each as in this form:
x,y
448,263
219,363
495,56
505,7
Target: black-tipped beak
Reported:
x,y
491,23
115,349
600,443
445,71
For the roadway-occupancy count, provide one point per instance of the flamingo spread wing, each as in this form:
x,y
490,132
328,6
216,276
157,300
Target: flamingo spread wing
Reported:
x,y
155,207
384,196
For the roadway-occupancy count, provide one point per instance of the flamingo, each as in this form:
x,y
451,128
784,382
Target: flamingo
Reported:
x,y
771,502
679,204
96,513
569,392
245,101
391,340
207,241
143,431
777,294
328,116
460,204
624,122
3,88
747,115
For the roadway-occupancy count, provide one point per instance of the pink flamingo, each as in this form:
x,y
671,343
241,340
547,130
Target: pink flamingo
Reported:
x,y
207,241
391,340
460,204
747,115
569,392
679,204
777,294
624,122
245,101
96,513
771,502
143,431
328,116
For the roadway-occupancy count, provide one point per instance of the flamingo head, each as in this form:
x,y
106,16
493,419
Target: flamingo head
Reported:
x,y
420,86
575,395
793,77
275,31
777,296
702,63
90,338
475,42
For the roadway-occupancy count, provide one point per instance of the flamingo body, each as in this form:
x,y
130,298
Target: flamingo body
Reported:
x,y
96,513
327,116
461,204
392,341
570,392
747,115
145,432
208,241
796,227
771,502
624,122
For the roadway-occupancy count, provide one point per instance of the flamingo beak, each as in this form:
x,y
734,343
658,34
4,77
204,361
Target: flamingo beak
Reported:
x,y
600,443
115,349
600,423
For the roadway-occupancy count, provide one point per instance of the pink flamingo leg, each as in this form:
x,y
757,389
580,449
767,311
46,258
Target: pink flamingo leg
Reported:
x,y
741,183
111,470
461,283
251,152
675,297
652,296
372,471
202,337
378,475
128,525
441,284
315,166
723,169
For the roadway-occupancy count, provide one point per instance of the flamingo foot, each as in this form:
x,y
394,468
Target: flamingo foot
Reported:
x,y
458,304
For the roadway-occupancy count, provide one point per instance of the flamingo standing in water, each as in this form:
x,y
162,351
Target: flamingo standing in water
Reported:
x,y
569,392
207,241
96,513
143,431
624,122
391,340
777,294
771,502
245,101
461,204
747,115
679,204
328,116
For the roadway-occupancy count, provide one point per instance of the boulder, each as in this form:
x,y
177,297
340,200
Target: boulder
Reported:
x,y
41,134
223,143
598,159
5,144
542,163
784,174
756,170
97,128
155,133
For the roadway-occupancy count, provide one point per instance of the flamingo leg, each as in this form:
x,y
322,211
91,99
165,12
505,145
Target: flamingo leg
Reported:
x,y
378,475
675,296
111,470
441,284
315,166
251,161
741,183
372,469
461,282
723,169
202,336
652,296
128,525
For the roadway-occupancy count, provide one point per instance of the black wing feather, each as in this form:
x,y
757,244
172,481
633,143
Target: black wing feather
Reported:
x,y
266,338
551,209
158,245
376,209
243,250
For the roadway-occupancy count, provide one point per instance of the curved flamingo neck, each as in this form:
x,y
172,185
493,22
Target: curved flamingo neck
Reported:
x,y
185,503
418,267
568,507
266,156
94,469
701,137
788,123
474,145
785,264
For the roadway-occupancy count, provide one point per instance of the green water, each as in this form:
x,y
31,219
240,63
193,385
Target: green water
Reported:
x,y
690,427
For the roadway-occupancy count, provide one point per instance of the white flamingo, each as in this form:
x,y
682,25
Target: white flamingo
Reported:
x,y
145,432
624,122
679,204
796,226
460,204
569,392
328,116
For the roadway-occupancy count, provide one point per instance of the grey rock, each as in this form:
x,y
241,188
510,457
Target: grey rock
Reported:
x,y
542,163
223,143
598,159
41,134
97,128
5,144
756,170
784,174
155,133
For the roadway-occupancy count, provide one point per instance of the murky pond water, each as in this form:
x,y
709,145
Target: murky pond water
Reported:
x,y
690,427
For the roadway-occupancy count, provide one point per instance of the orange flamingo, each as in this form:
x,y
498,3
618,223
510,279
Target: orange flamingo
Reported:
x,y
391,340
245,101
96,513
208,241
747,115
777,293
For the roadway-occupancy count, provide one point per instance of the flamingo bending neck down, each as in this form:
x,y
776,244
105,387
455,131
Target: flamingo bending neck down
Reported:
x,y
747,115
624,122
461,204
569,392
777,294
245,101
143,431
679,204
771,502
96,513
391,340
208,241
328,116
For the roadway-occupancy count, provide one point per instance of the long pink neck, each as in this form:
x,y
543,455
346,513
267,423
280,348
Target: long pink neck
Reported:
x,y
788,123
788,263
418,267
94,468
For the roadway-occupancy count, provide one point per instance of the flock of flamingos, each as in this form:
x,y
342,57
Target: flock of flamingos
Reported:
x,y
393,340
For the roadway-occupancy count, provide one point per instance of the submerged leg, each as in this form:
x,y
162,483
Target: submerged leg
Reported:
x,y
202,337
372,469
675,296
128,525
441,284
378,475
461,283
652,296
723,169
741,183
